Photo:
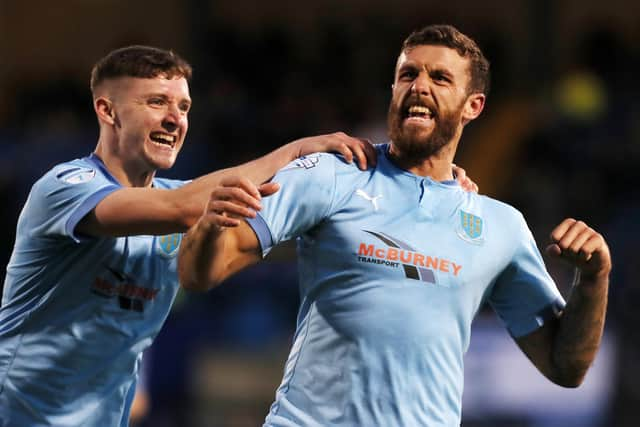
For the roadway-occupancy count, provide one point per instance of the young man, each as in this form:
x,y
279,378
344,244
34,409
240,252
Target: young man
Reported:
x,y
93,270
395,261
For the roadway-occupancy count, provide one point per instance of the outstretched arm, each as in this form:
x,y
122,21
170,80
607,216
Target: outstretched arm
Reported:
x,y
131,211
563,349
221,243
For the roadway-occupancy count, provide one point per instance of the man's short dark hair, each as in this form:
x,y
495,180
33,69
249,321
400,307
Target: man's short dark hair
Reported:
x,y
139,61
451,37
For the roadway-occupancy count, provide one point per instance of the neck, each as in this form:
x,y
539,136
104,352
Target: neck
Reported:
x,y
128,173
436,165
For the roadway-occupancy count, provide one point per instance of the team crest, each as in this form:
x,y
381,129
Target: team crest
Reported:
x,y
471,227
169,244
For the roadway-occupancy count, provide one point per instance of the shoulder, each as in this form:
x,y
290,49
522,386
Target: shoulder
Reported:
x,y
344,168
168,184
321,161
73,172
498,207
321,168
75,179
315,161
509,217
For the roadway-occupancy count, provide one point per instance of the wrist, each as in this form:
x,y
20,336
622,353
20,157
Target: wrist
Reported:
x,y
296,149
591,283
591,276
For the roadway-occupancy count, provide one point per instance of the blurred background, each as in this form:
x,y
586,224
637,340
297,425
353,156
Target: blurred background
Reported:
x,y
560,136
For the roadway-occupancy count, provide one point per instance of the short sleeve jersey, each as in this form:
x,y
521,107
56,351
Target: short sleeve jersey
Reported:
x,y
393,267
77,311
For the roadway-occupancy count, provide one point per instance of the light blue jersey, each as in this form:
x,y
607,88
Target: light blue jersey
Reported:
x,y
77,311
393,269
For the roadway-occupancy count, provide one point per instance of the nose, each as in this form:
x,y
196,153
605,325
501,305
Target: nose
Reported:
x,y
421,84
171,120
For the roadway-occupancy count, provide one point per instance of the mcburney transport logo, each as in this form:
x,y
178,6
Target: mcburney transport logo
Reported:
x,y
416,265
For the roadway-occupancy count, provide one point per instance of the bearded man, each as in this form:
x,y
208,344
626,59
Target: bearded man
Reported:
x,y
395,261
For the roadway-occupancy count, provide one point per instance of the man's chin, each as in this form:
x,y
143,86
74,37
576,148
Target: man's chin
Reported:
x,y
163,163
418,146
417,130
167,165
162,158
412,137
418,126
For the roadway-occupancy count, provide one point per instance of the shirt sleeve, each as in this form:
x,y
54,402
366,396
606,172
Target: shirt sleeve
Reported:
x,y
61,198
524,295
307,190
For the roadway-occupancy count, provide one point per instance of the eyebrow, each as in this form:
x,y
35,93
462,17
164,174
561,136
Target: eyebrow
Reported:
x,y
412,65
442,71
409,65
165,97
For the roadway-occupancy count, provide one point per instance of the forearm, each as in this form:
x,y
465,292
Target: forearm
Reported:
x,y
150,211
580,330
564,348
221,242
194,195
133,211
264,168
199,263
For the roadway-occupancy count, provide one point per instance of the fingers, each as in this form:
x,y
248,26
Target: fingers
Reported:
x,y
581,245
570,236
233,201
235,198
224,213
560,230
460,173
242,183
465,182
370,155
343,149
358,149
468,185
268,188
553,250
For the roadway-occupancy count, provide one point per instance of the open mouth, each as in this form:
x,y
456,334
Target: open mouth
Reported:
x,y
163,139
419,112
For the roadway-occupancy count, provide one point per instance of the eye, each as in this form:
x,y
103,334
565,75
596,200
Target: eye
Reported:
x,y
185,107
441,77
156,101
407,75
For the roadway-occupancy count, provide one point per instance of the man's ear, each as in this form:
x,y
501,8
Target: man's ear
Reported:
x,y
104,110
473,107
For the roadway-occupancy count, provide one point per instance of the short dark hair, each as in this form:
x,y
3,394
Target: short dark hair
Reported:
x,y
139,61
451,37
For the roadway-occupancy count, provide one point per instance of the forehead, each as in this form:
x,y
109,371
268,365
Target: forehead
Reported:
x,y
434,57
135,86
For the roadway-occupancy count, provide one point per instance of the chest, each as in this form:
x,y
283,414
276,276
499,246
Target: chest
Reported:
x,y
138,272
436,237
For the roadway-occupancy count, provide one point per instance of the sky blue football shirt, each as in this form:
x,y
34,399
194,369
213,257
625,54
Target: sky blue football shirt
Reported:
x,y
77,311
393,268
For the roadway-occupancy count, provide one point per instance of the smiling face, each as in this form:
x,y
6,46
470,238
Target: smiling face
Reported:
x,y
430,101
149,120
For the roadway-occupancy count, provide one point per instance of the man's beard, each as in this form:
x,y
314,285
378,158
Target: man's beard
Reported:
x,y
409,141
